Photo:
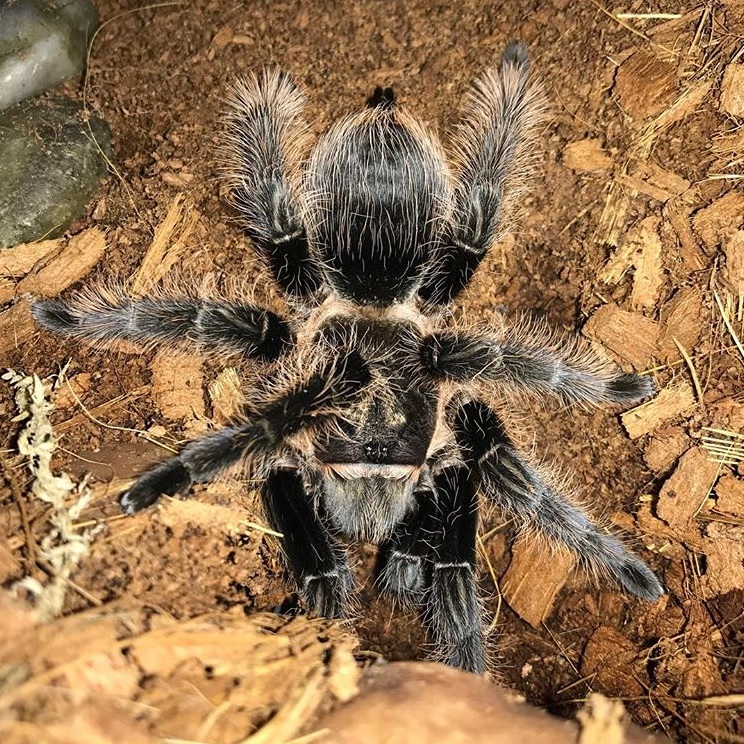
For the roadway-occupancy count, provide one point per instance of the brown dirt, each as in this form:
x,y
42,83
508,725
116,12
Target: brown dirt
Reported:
x,y
630,225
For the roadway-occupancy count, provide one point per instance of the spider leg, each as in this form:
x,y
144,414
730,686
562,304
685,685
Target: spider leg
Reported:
x,y
494,150
529,359
518,489
264,141
314,557
316,400
105,316
453,611
402,566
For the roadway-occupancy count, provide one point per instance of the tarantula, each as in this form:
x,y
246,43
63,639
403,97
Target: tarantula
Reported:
x,y
375,419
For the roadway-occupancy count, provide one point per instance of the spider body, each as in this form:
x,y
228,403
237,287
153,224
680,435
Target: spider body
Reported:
x,y
374,418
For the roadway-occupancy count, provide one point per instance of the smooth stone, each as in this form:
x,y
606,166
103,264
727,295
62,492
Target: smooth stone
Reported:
x,y
49,167
42,43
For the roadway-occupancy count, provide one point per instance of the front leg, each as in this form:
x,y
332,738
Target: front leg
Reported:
x,y
107,315
317,561
515,486
495,150
453,609
309,403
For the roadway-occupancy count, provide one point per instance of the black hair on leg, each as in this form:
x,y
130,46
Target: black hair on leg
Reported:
x,y
405,556
453,612
265,138
314,557
108,316
518,489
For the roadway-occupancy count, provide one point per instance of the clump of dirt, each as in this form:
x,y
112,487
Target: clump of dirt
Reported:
x,y
634,232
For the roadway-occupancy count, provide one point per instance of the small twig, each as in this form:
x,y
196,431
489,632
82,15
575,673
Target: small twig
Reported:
x,y
727,323
693,371
495,579
98,421
648,16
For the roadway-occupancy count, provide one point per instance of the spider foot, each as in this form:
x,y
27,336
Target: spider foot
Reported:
x,y
637,578
327,594
167,479
630,388
402,576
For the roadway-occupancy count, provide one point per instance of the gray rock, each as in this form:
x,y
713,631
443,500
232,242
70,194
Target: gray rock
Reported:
x,y
42,43
49,167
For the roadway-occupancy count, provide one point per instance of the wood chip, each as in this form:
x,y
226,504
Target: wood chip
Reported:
x,y
661,178
724,551
728,414
649,271
732,90
677,212
223,37
730,495
586,155
177,386
717,222
685,104
645,85
177,180
683,494
654,181
196,671
59,269
733,249
226,396
671,402
18,261
168,244
683,320
16,325
72,390
534,578
630,336
641,250
665,448
10,568
642,186
608,659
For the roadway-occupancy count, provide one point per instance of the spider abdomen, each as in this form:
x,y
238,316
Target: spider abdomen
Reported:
x,y
378,192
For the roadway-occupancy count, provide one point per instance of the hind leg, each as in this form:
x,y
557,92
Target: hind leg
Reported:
x,y
494,145
264,143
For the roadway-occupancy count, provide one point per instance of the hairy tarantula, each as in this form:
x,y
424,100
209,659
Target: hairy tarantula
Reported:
x,y
375,420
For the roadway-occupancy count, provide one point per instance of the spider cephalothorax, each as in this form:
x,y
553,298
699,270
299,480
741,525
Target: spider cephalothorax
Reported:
x,y
373,418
